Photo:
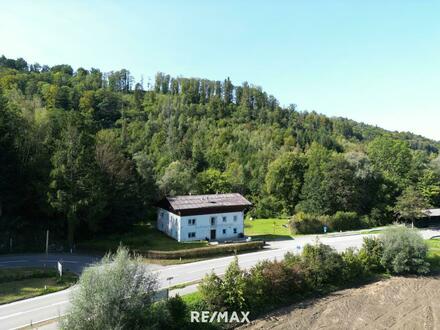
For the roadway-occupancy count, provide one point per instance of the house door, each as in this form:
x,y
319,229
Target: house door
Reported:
x,y
212,233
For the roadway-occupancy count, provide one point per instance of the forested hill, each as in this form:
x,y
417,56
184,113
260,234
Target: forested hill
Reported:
x,y
92,151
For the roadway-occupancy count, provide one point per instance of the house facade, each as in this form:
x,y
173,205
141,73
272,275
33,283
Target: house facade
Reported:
x,y
198,217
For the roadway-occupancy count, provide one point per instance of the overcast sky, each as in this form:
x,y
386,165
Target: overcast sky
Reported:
x,y
372,61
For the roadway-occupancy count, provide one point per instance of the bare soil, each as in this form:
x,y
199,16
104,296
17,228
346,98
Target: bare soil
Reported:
x,y
395,303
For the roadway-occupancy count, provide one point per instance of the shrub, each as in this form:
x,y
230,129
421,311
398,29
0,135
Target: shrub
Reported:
x,y
272,282
114,294
404,251
233,287
205,251
304,223
178,311
211,292
371,254
322,265
345,221
353,269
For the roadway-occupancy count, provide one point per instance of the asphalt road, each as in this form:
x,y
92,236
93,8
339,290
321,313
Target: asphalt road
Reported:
x,y
72,262
22,313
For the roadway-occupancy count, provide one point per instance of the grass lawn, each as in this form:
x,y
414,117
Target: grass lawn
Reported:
x,y
434,253
268,229
192,298
142,237
23,283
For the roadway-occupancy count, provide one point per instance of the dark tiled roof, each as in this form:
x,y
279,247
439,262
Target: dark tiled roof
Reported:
x,y
203,201
199,204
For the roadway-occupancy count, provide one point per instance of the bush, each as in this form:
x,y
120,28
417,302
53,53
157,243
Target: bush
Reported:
x,y
270,283
177,308
353,269
168,314
211,292
233,287
342,221
116,293
371,254
205,251
322,265
404,252
304,223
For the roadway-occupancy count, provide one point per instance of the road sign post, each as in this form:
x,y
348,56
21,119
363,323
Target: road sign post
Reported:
x,y
47,241
60,268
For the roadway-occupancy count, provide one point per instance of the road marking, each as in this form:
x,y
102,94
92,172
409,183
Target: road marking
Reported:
x,y
12,261
33,310
42,297
63,261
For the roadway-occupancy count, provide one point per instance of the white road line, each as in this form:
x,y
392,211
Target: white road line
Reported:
x,y
12,261
33,310
42,297
63,261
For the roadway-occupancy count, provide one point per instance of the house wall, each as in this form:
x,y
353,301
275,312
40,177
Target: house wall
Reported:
x,y
202,227
169,223
179,227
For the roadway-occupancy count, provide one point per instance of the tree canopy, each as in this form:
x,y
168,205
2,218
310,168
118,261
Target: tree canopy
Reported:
x,y
87,152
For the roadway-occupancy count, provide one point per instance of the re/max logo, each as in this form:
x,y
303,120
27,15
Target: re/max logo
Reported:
x,y
226,317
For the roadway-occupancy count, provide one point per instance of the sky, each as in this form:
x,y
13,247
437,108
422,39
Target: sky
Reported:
x,y
372,61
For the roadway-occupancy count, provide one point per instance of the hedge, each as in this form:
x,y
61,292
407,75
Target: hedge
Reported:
x,y
203,252
305,223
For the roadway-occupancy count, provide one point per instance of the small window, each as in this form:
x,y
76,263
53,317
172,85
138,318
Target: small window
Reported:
x,y
235,230
191,235
224,231
213,221
191,222
224,219
235,218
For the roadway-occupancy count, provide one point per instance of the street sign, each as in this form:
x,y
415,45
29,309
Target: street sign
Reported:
x,y
60,268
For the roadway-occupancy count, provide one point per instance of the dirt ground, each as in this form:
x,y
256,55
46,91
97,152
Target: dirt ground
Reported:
x,y
396,303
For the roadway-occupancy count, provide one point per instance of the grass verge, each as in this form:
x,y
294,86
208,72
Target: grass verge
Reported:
x,y
22,283
434,254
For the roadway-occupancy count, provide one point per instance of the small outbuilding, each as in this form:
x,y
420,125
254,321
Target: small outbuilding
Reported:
x,y
432,219
199,217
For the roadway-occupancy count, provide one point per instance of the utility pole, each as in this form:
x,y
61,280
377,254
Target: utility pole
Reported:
x,y
47,242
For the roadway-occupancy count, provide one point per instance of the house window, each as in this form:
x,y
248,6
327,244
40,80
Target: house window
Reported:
x,y
213,221
235,230
191,235
235,218
191,222
224,219
224,231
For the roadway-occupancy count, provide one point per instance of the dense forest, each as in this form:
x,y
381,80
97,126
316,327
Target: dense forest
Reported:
x,y
84,153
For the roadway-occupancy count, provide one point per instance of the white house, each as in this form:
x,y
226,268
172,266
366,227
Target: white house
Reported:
x,y
199,217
